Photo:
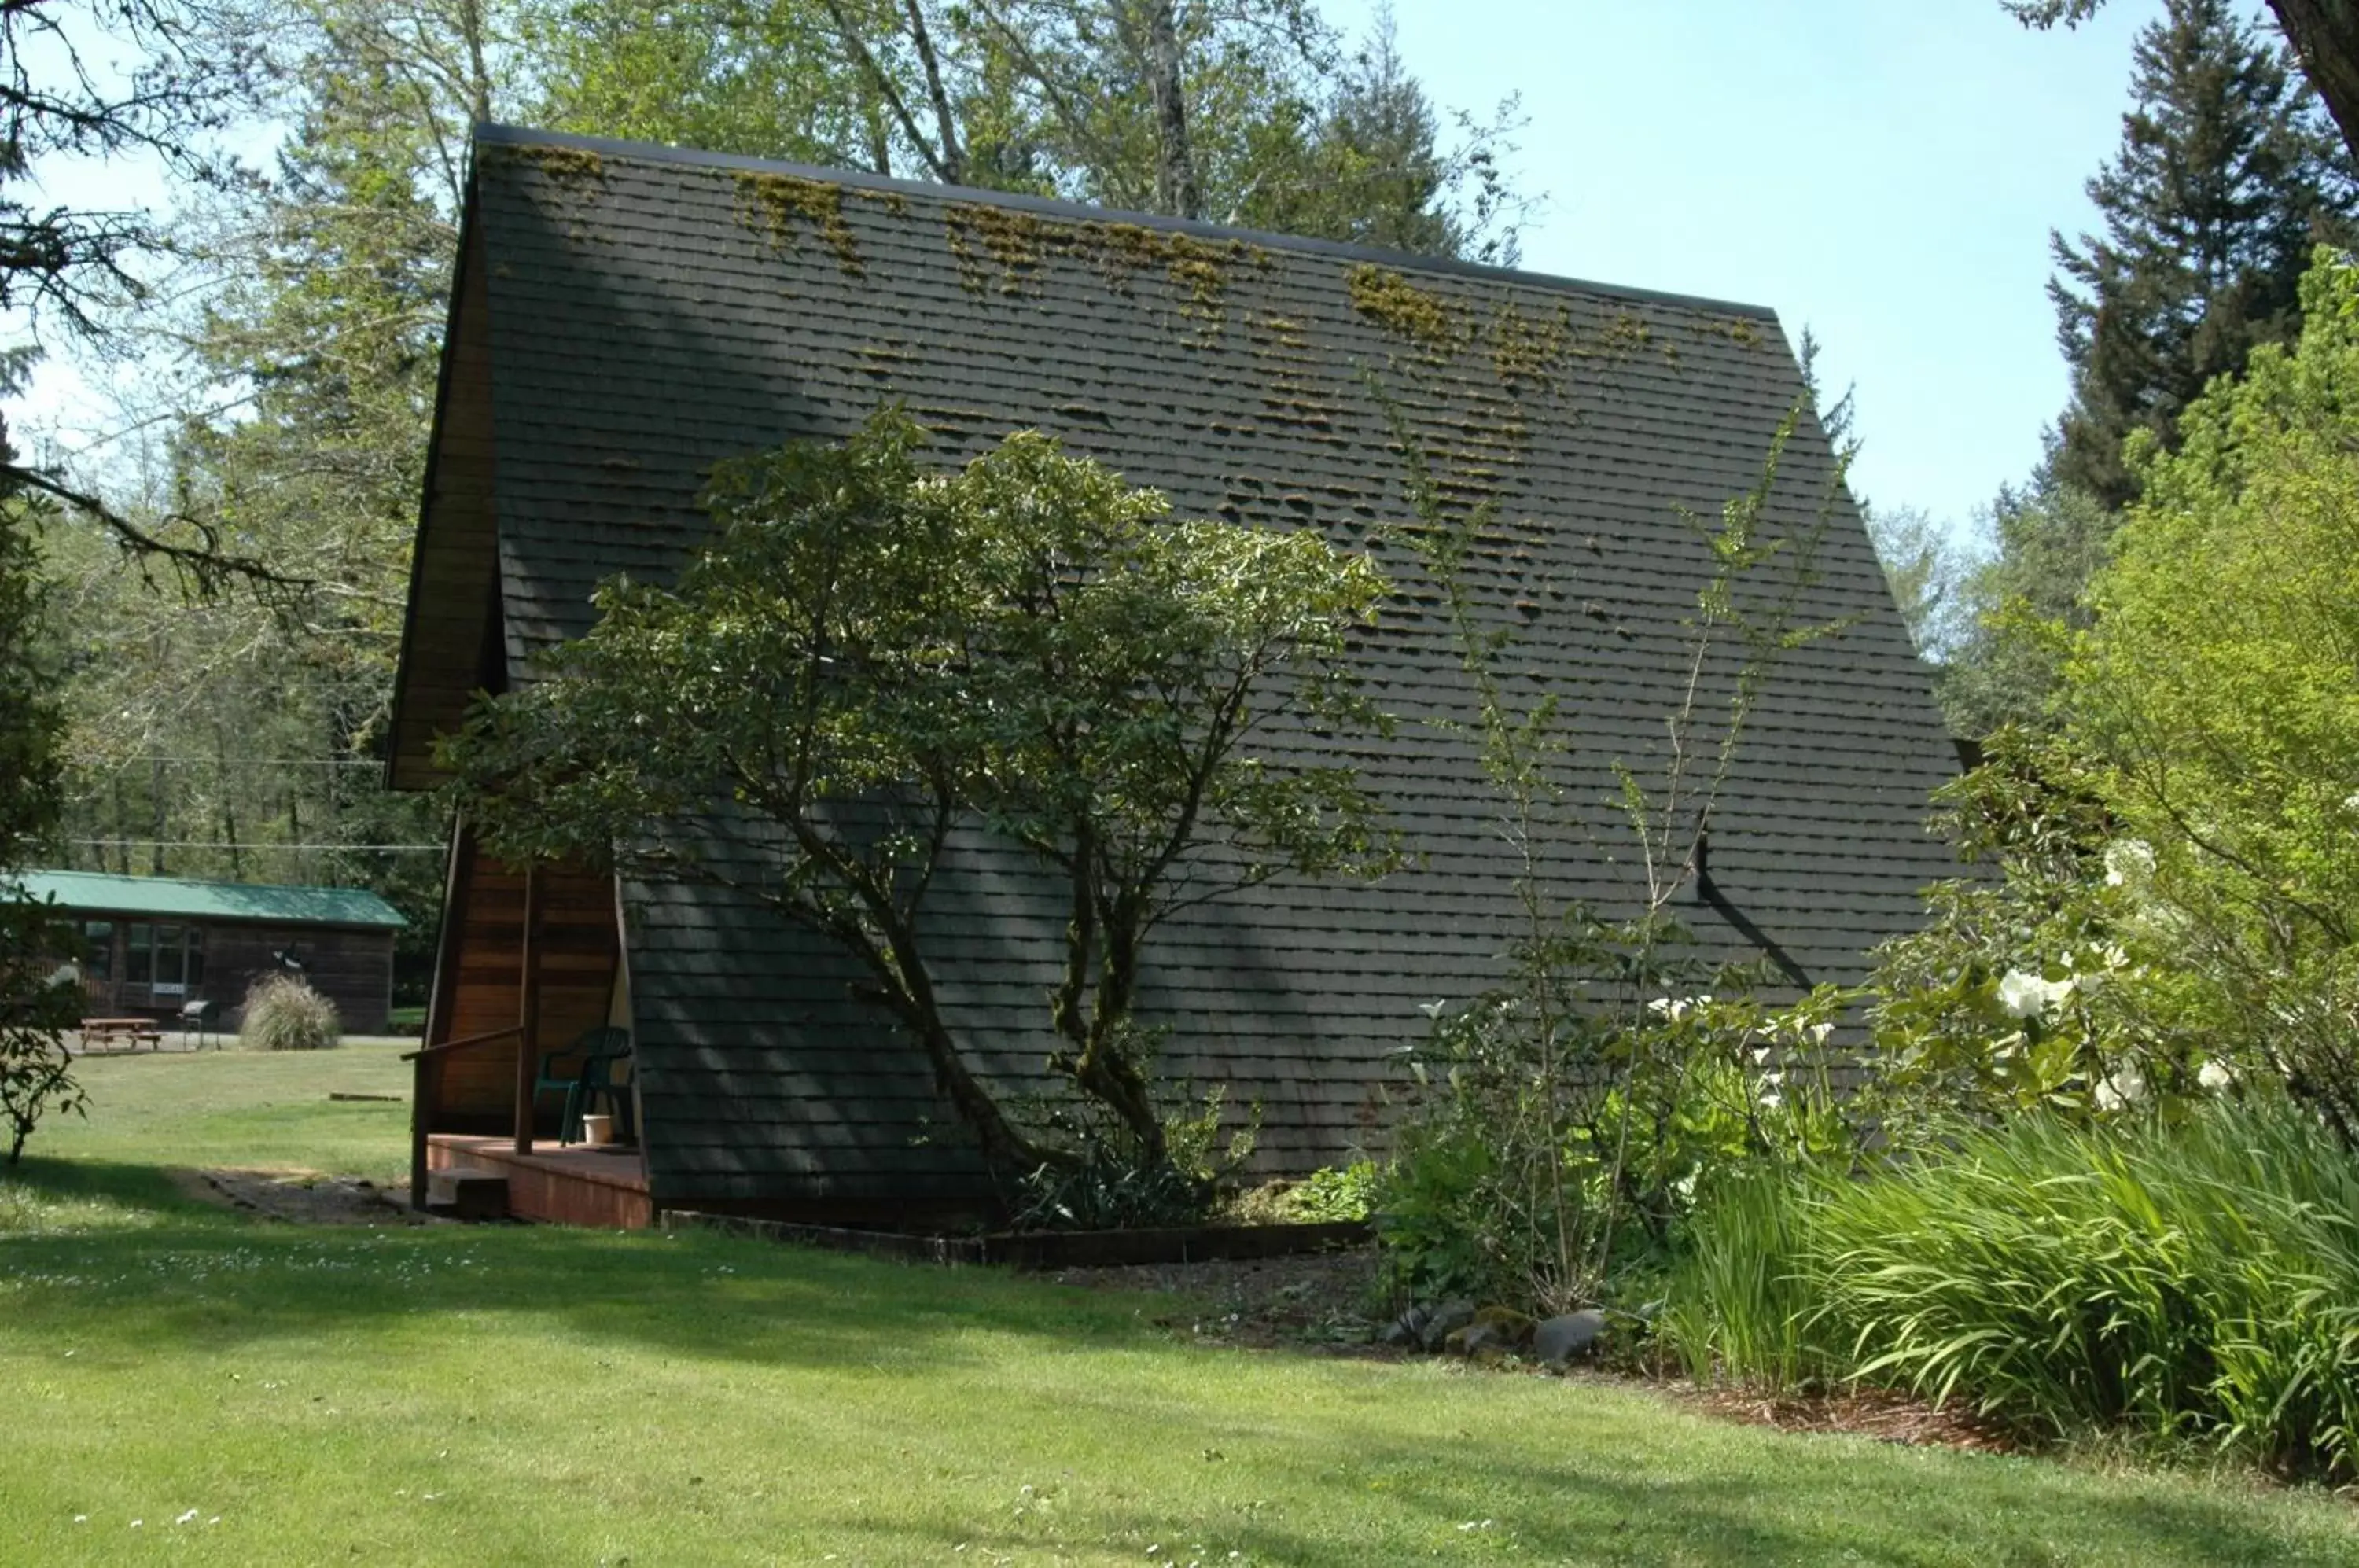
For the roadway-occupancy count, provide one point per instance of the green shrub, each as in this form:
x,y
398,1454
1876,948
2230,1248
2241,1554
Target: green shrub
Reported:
x,y
1741,1300
1338,1195
282,1013
2197,1280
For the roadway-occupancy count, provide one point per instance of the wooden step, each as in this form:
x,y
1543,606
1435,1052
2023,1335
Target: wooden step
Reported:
x,y
467,1193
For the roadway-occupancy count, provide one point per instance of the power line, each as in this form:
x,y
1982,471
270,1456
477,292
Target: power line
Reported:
x,y
253,848
229,761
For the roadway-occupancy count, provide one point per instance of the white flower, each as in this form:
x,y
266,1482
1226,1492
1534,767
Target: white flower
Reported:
x,y
1819,1032
1433,1009
1676,1007
2025,996
2215,1076
2132,860
2124,1086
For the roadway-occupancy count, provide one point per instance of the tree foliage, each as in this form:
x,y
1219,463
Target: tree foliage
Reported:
x,y
2020,605
250,722
2324,35
2217,690
1245,111
71,269
2225,179
872,660
36,1074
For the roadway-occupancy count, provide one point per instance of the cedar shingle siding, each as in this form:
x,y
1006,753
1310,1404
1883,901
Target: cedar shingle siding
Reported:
x,y
628,315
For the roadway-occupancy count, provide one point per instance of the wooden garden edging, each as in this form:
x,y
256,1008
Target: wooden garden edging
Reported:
x,y
1041,1250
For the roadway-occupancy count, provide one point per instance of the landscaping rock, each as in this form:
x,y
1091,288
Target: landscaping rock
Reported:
x,y
1481,1342
1444,1320
1562,1339
1511,1329
1406,1328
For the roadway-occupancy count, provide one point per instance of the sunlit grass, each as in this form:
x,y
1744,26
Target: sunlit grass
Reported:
x,y
262,1110
512,1395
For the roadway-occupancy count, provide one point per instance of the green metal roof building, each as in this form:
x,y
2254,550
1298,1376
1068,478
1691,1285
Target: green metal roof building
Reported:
x,y
151,945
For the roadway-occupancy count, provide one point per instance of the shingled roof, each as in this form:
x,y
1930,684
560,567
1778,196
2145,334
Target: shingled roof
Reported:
x,y
627,315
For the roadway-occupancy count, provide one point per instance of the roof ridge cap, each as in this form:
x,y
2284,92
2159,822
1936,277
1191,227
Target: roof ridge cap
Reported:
x,y
494,134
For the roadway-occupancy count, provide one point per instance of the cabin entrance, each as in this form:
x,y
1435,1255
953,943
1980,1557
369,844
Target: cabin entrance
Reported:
x,y
530,995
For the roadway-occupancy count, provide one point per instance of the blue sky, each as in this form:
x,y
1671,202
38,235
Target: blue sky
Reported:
x,y
1886,171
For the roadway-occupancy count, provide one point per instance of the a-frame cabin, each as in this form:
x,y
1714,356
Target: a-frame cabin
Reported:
x,y
623,316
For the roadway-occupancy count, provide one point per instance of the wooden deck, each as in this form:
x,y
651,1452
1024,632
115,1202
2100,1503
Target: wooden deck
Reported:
x,y
555,1184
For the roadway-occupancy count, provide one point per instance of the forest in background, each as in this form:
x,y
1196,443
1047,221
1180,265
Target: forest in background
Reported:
x,y
284,325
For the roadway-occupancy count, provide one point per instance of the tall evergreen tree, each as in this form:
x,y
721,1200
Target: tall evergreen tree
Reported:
x,y
2227,175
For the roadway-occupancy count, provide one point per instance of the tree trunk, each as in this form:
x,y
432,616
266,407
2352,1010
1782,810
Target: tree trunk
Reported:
x,y
2325,34
228,806
479,72
156,816
1174,166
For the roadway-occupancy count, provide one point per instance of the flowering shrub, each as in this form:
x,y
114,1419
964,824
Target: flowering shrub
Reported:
x,y
2045,984
1561,1130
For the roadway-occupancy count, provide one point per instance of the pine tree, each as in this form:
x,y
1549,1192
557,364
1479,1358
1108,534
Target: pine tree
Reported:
x,y
2226,178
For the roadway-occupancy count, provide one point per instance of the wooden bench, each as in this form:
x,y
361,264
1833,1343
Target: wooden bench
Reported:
x,y
131,1032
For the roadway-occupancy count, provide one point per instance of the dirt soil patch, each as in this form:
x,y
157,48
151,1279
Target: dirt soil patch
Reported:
x,y
299,1197
1326,1302
1861,1412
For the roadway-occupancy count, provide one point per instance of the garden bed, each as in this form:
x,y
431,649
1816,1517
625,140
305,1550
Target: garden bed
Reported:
x,y
1042,1251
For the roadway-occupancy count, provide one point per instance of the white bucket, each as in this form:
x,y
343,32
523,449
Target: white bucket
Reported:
x,y
597,1131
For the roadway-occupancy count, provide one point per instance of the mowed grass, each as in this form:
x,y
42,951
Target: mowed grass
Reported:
x,y
523,1395
246,1109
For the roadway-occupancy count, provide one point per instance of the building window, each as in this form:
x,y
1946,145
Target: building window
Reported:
x,y
98,948
169,960
172,981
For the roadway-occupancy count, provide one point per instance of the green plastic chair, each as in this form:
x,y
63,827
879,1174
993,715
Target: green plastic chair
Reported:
x,y
591,1060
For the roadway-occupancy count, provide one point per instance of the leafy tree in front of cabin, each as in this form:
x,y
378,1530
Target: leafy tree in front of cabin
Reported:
x,y
872,659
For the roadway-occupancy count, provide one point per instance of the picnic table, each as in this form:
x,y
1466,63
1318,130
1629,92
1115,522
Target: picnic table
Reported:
x,y
133,1032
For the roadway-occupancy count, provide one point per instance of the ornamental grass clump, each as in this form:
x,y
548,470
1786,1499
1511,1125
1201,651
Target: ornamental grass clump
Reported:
x,y
282,1013
2196,1281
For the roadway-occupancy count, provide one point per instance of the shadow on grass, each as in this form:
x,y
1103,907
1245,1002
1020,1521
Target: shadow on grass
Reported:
x,y
184,1261
1633,1485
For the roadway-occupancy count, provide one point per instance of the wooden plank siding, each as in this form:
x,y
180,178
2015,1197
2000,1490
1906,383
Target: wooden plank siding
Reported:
x,y
475,1091
552,1186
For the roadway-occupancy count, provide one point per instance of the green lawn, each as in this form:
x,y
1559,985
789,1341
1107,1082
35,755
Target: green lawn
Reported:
x,y
256,1110
510,1395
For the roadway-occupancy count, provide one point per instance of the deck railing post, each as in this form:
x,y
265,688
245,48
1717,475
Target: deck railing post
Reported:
x,y
527,1010
417,1084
